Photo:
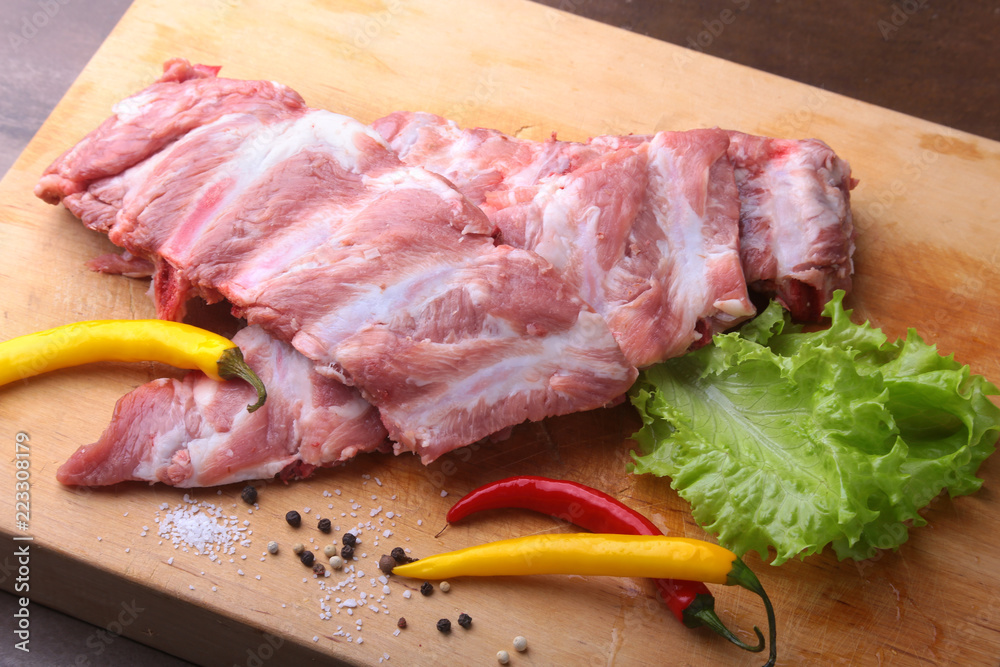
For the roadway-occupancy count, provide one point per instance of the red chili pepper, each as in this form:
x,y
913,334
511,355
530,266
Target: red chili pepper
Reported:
x,y
690,601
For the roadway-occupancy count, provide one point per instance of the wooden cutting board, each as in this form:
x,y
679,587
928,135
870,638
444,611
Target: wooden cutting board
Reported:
x,y
928,257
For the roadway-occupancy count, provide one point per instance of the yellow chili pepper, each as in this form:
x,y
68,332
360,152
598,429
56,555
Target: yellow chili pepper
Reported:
x,y
653,556
173,343
657,557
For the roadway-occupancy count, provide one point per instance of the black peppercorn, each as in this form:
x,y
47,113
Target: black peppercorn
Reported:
x,y
426,588
386,563
464,620
294,519
324,526
347,553
249,495
444,625
349,539
399,555
401,623
307,557
320,570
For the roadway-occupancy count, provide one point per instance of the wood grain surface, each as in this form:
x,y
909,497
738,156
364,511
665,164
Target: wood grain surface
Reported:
x,y
927,257
927,59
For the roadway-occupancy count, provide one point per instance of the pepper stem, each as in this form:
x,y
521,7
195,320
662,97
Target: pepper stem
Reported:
x,y
701,611
232,366
741,575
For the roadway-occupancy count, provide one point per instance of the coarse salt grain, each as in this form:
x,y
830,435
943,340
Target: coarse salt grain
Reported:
x,y
200,526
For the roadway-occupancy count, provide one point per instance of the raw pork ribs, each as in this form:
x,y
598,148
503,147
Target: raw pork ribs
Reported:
x,y
420,281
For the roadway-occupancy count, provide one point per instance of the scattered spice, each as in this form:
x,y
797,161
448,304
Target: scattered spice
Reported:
x,y
464,620
336,562
272,547
298,548
520,643
294,519
307,557
426,588
503,657
349,539
399,555
318,568
347,553
444,625
386,563
325,526
249,494
330,550
444,586
401,623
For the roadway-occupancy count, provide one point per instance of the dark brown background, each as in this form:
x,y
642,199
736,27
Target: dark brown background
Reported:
x,y
925,58
935,60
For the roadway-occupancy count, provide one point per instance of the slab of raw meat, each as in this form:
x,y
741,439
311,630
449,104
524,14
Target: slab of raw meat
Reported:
x,y
197,431
797,239
646,228
796,235
384,275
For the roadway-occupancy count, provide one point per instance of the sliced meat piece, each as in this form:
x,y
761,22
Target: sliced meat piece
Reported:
x,y
645,227
185,97
197,431
797,230
383,274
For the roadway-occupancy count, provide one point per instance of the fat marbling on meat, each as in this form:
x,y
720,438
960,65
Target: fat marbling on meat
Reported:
x,y
382,274
795,238
646,229
797,228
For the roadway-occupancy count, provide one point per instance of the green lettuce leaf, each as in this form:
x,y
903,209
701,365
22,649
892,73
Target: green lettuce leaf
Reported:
x,y
793,440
